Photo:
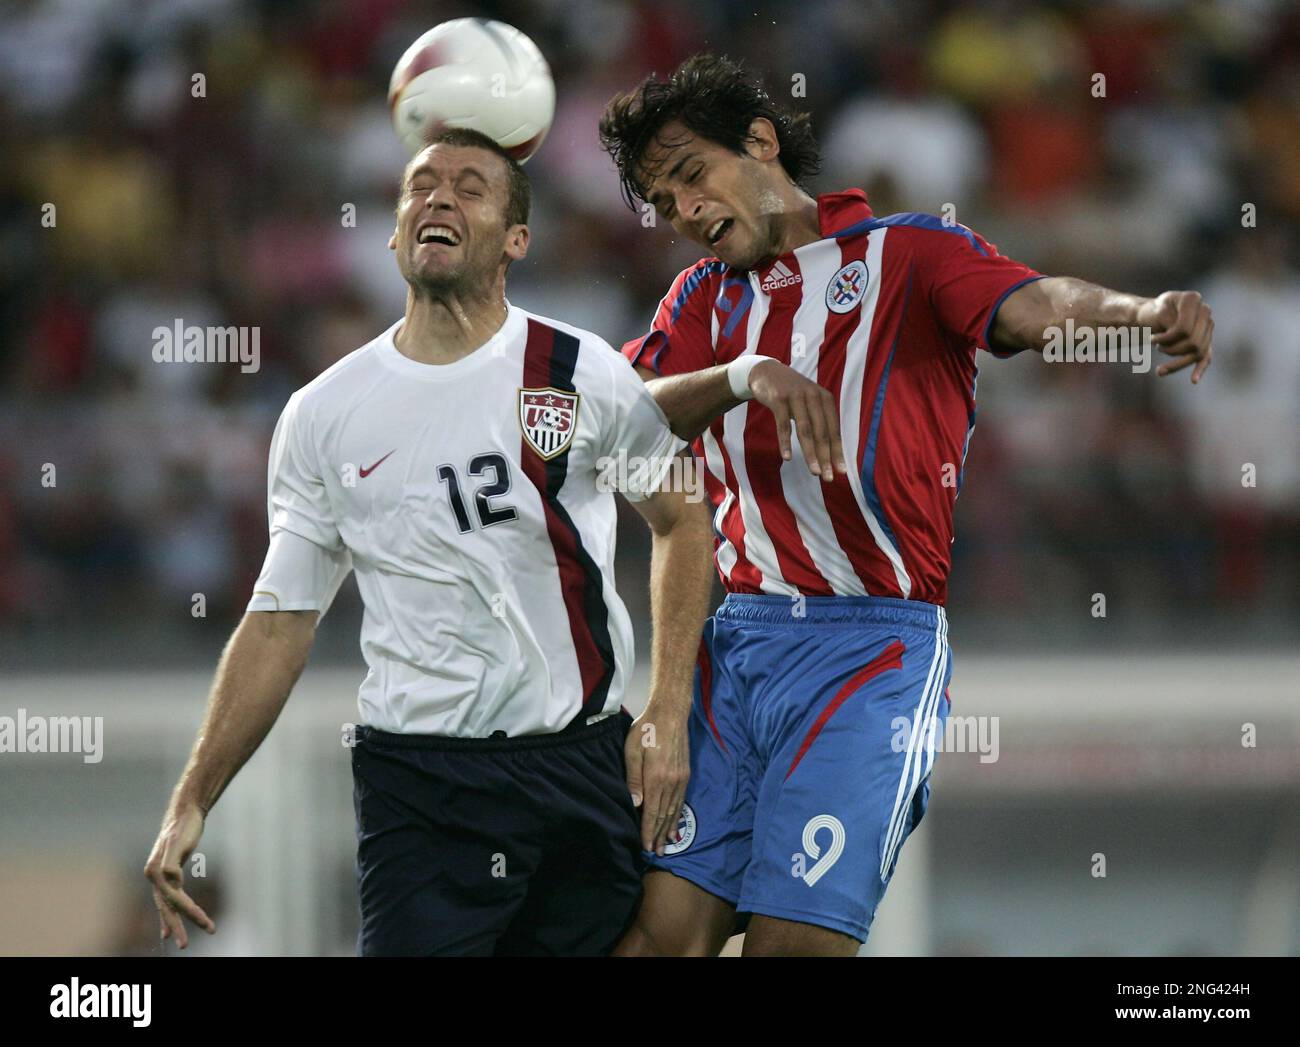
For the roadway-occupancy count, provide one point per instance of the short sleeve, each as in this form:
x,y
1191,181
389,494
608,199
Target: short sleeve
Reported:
x,y
967,280
297,500
637,446
680,339
299,575
306,561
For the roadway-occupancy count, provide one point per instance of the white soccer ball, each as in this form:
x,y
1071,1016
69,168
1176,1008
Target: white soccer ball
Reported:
x,y
476,73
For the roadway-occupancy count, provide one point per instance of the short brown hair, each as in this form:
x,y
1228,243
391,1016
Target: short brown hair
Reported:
x,y
715,99
519,202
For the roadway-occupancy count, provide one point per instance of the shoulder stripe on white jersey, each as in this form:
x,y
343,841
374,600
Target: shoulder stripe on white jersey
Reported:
x,y
550,358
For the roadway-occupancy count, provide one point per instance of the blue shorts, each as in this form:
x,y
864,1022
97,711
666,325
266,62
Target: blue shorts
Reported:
x,y
813,734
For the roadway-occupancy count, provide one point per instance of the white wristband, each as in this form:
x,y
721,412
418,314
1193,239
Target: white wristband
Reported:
x,y
738,375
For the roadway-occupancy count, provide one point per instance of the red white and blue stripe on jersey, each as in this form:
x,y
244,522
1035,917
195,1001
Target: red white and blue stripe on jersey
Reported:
x,y
550,360
897,351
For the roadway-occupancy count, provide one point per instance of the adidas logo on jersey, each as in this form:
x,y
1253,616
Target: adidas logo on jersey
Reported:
x,y
779,276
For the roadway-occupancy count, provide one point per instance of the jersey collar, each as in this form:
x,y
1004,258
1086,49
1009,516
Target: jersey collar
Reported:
x,y
835,211
507,336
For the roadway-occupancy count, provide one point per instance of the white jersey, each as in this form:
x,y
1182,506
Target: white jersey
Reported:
x,y
466,498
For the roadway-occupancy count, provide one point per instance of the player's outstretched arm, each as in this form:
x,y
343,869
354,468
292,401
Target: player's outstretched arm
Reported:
x,y
681,576
257,671
692,401
1181,324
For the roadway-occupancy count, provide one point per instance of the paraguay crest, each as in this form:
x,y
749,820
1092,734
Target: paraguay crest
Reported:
x,y
686,828
847,287
548,418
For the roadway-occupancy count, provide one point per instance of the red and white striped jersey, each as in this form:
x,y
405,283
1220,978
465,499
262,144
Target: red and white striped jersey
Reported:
x,y
886,314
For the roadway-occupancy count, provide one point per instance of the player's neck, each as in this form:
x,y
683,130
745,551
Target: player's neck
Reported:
x,y
438,330
797,224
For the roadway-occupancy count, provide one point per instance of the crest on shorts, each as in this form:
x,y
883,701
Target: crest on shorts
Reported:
x,y
548,418
685,832
847,287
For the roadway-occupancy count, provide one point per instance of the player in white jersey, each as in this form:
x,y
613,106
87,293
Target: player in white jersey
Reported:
x,y
455,465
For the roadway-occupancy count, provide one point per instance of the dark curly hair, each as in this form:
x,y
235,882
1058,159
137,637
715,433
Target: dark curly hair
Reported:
x,y
715,99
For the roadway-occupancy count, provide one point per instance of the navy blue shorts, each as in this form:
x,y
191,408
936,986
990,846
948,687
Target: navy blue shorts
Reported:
x,y
523,846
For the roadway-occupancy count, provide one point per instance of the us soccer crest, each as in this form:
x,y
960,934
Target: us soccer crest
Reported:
x,y
549,418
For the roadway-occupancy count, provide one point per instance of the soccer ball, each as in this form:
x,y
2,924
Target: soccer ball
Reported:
x,y
475,73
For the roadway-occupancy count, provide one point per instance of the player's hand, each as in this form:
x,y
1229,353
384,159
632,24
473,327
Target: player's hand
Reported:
x,y
793,398
1183,327
176,841
657,752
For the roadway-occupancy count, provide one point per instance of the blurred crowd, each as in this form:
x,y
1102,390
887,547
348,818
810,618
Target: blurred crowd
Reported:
x,y
204,159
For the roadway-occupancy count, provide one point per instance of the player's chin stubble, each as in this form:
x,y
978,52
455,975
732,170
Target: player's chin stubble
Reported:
x,y
761,247
467,278
444,283
431,280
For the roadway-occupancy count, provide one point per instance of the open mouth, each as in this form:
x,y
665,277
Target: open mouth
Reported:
x,y
718,230
438,234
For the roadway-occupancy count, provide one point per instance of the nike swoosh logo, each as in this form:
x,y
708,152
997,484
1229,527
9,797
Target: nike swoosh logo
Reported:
x,y
366,472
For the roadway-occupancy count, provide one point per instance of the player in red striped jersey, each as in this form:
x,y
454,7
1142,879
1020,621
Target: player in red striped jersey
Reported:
x,y
861,334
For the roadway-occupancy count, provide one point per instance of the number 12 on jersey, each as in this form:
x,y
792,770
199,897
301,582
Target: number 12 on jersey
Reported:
x,y
488,514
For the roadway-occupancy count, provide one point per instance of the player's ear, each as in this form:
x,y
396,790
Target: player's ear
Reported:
x,y
517,240
762,144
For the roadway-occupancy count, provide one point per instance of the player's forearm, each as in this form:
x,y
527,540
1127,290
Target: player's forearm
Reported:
x,y
1025,318
258,669
691,401
681,578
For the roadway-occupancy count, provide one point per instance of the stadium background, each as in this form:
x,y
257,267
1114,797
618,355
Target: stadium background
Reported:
x,y
1119,736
